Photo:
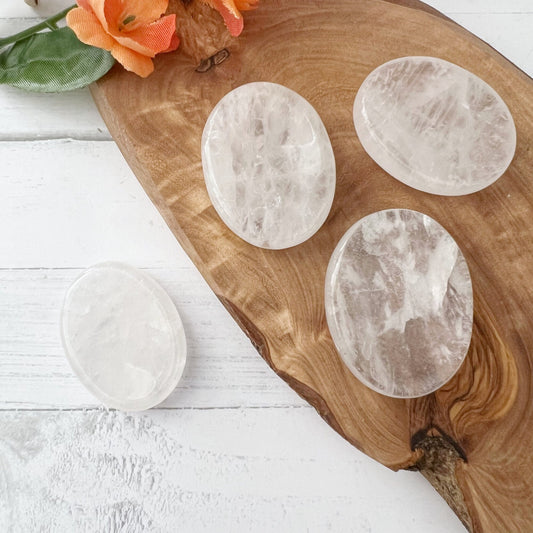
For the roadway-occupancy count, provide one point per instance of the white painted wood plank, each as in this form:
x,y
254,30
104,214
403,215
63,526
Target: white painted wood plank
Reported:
x,y
16,15
73,203
509,33
223,368
481,6
10,26
33,116
279,470
11,9
506,26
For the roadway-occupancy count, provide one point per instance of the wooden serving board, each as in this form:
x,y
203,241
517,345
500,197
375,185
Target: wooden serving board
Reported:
x,y
473,439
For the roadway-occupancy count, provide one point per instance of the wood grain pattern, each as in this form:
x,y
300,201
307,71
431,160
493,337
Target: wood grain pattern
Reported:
x,y
473,437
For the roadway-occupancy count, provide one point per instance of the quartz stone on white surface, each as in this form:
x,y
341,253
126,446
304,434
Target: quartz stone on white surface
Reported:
x,y
123,337
434,125
399,303
268,165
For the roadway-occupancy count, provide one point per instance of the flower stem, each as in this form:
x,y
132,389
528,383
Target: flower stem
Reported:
x,y
48,23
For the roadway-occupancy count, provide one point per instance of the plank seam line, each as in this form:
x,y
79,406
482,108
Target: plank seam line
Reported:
x,y
60,137
170,268
102,409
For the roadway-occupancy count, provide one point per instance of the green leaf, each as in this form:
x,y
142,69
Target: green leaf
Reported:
x,y
53,61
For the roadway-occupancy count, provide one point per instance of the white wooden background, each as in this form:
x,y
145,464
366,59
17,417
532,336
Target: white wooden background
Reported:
x,y
233,448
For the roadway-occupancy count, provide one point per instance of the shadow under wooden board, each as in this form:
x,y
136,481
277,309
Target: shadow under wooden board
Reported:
x,y
473,438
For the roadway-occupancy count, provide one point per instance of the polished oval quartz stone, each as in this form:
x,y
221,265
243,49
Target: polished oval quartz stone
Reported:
x,y
268,165
123,337
399,303
434,125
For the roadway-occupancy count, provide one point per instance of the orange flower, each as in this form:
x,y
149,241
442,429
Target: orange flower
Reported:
x,y
132,30
231,12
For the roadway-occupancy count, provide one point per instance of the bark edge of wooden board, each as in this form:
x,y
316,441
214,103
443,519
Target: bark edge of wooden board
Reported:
x,y
472,438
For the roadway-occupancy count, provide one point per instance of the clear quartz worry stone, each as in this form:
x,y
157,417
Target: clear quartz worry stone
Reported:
x,y
268,165
399,303
123,337
434,125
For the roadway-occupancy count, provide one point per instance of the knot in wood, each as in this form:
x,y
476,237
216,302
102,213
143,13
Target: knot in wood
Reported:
x,y
215,59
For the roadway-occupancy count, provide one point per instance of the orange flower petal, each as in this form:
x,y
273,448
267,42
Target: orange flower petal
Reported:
x,y
133,61
151,39
231,15
133,30
246,5
174,43
144,11
88,28
97,7
85,5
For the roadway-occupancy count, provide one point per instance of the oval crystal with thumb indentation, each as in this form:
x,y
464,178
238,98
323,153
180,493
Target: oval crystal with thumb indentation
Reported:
x,y
268,165
123,337
434,125
399,303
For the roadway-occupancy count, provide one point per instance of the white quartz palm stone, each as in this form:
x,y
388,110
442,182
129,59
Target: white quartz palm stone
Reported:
x,y
399,303
268,165
123,337
434,126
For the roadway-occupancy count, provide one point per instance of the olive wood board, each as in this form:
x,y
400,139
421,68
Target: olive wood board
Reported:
x,y
473,438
